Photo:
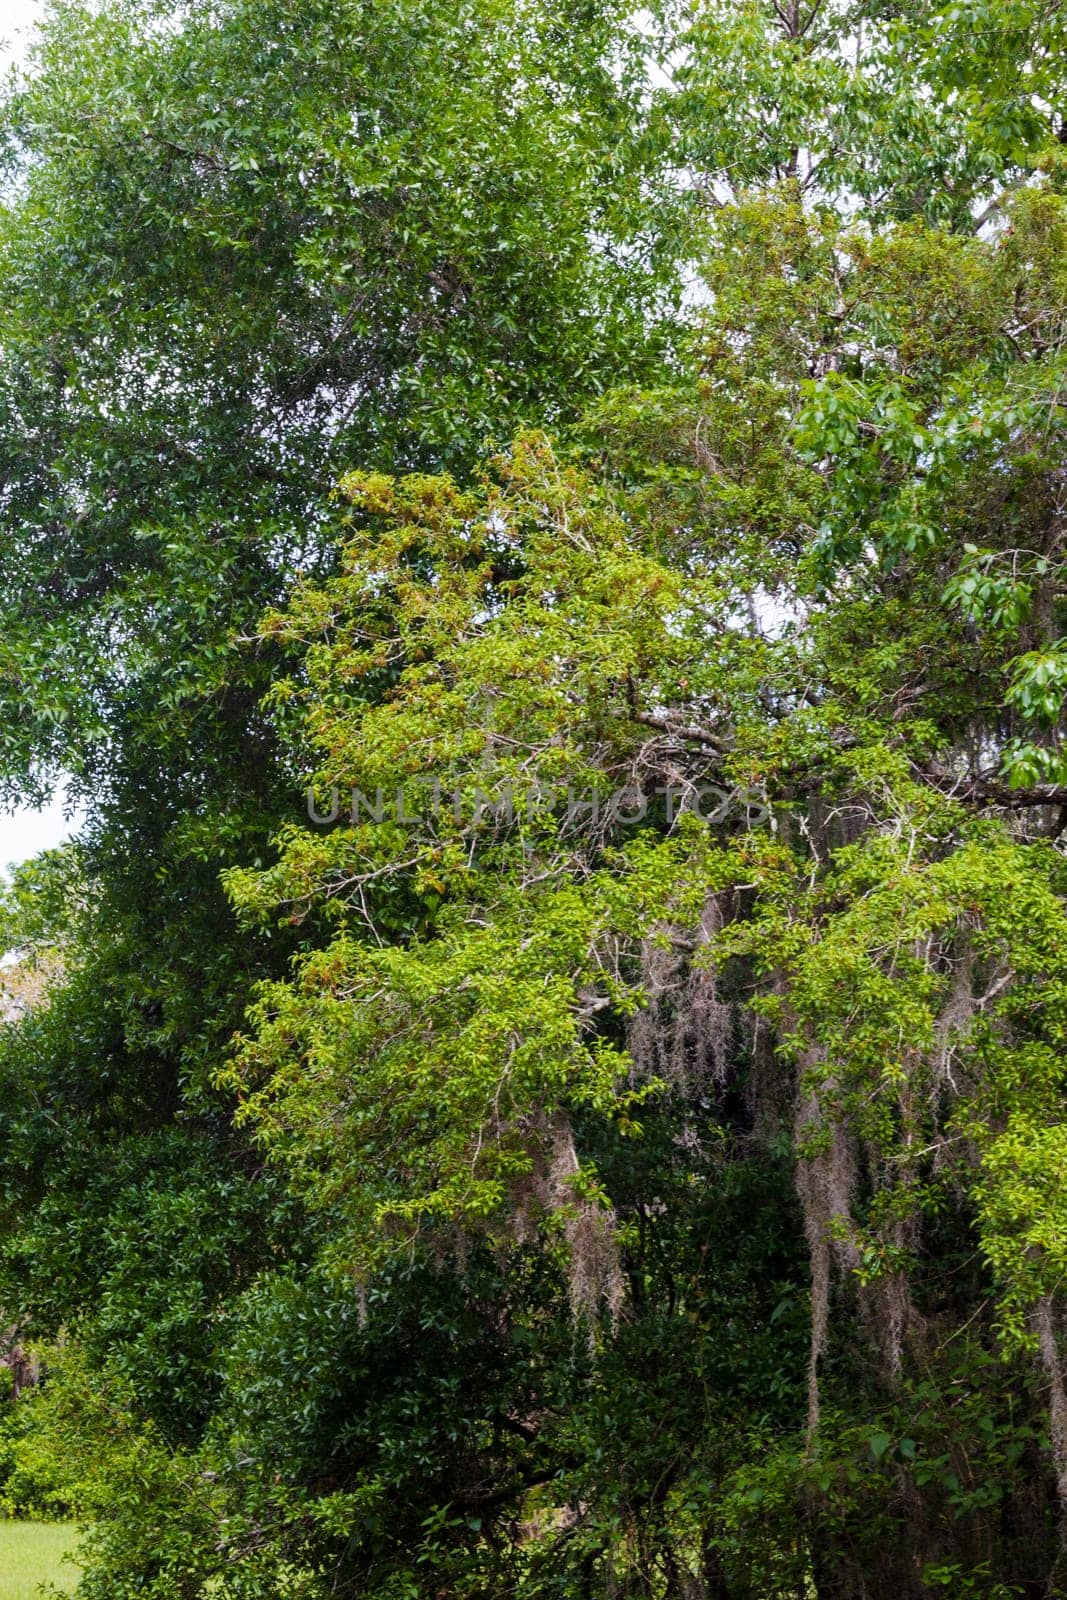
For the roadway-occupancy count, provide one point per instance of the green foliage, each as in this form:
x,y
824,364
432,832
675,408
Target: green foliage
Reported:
x,y
548,628
231,265
29,1474
632,1166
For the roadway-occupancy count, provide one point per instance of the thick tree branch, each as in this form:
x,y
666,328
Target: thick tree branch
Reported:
x,y
992,792
693,732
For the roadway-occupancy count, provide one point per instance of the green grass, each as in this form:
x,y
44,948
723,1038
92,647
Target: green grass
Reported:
x,y
32,1553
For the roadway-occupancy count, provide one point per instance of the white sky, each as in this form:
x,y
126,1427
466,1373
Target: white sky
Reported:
x,y
25,833
16,16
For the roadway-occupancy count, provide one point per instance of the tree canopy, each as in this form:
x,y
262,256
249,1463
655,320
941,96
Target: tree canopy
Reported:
x,y
538,536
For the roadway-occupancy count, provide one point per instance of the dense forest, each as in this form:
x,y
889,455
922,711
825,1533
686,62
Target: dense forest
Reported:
x,y
536,536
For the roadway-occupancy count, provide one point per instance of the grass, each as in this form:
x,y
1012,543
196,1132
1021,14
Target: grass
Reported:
x,y
33,1553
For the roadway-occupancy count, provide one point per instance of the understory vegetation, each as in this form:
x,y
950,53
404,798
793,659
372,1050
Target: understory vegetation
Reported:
x,y
535,536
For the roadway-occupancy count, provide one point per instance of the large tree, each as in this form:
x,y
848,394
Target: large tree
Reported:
x,y
242,247
603,1198
720,838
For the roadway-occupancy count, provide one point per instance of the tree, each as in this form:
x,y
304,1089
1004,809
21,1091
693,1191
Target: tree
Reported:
x,y
518,980
633,1171
240,247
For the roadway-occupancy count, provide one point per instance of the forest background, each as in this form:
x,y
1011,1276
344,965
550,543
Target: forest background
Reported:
x,y
548,1202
